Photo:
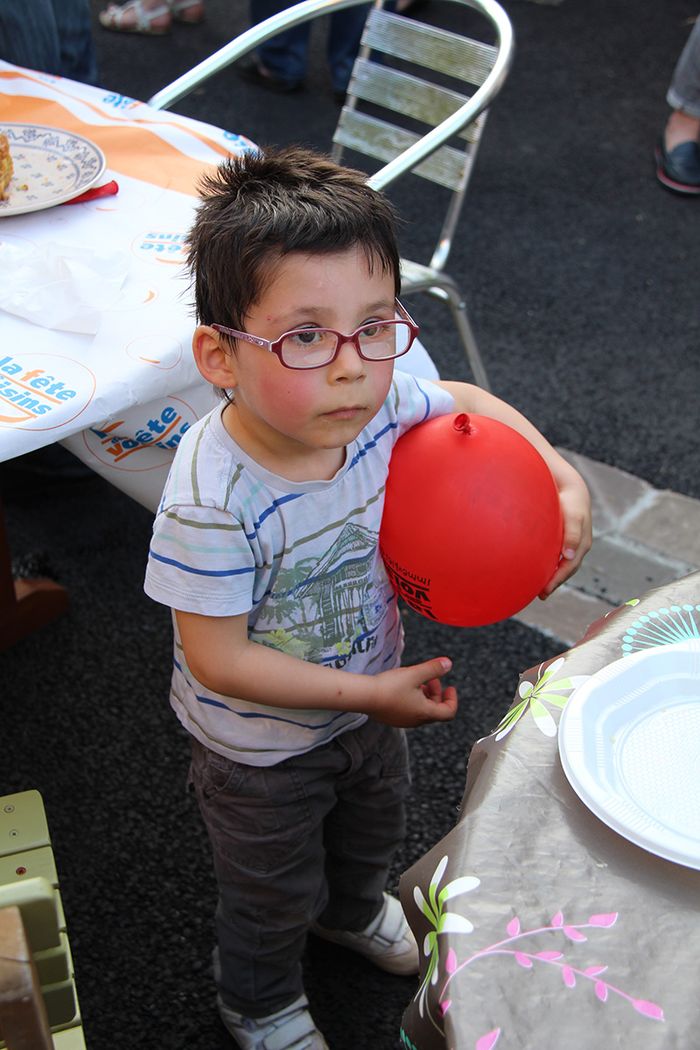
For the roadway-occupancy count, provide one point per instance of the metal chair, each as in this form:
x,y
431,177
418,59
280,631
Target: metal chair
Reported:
x,y
417,102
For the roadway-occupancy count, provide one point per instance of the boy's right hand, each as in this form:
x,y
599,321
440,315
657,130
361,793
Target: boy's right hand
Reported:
x,y
411,696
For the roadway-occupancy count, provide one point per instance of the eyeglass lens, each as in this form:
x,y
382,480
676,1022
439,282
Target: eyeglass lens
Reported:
x,y
311,347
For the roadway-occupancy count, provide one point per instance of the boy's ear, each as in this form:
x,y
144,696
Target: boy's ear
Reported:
x,y
214,358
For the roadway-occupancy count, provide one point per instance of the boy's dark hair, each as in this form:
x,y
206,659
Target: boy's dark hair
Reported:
x,y
258,207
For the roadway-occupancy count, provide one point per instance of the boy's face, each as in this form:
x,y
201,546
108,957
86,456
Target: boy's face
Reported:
x,y
298,422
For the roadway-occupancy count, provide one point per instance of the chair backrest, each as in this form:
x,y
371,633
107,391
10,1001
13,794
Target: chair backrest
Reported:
x,y
390,42
417,101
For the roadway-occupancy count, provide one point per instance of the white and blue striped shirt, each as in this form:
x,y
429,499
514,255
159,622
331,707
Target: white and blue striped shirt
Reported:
x,y
301,558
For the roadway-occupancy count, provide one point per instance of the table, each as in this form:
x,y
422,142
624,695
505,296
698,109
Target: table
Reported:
x,y
120,393
119,387
547,929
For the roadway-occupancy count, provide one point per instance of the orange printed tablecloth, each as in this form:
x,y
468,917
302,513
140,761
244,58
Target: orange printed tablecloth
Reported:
x,y
120,396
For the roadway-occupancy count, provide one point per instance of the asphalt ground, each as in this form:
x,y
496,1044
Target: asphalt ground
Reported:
x,y
582,278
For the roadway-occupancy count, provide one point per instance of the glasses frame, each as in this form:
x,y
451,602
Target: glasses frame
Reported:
x,y
275,345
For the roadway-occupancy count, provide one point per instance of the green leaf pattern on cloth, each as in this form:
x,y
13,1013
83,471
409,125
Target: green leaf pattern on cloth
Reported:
x,y
441,921
534,696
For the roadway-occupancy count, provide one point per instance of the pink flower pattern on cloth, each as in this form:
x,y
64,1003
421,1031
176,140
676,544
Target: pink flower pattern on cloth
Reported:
x,y
514,946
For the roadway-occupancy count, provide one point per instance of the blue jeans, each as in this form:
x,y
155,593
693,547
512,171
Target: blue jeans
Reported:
x,y
311,838
52,36
286,55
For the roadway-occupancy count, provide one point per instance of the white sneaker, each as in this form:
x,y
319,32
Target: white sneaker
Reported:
x,y
388,940
291,1028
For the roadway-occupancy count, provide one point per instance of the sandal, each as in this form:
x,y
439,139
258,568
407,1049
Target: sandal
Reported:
x,y
189,11
132,17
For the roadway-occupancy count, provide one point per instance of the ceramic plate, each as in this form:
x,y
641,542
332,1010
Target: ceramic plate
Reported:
x,y
51,166
629,741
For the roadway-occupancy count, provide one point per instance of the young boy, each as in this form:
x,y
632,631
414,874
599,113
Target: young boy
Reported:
x,y
287,632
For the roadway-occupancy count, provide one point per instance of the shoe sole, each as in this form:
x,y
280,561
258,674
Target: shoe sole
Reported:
x,y
278,87
683,188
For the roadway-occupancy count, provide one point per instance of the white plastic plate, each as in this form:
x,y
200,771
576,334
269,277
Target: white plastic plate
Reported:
x,y
51,166
629,741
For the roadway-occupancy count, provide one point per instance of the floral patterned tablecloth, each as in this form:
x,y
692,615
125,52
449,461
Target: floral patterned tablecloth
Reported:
x,y
539,927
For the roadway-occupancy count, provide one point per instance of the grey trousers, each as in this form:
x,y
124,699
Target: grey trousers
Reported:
x,y
311,838
684,90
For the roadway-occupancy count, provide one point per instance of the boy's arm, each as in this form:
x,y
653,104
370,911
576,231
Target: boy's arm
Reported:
x,y
221,656
573,493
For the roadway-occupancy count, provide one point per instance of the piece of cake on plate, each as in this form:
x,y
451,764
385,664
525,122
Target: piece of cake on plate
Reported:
x,y
6,168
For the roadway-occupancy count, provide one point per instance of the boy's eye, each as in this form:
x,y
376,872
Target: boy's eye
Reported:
x,y
307,336
375,329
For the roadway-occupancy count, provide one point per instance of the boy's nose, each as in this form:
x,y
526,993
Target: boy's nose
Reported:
x,y
348,363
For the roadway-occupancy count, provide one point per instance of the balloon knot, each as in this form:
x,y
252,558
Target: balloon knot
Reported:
x,y
462,422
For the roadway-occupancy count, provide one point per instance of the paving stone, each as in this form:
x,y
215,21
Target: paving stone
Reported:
x,y
671,524
567,614
614,493
615,570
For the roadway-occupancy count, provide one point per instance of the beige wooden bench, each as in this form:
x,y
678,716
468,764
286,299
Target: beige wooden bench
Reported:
x,y
38,1001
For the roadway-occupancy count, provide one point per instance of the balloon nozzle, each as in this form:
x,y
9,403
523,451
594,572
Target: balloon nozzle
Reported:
x,y
463,423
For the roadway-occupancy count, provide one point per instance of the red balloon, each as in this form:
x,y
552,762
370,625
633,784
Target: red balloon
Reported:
x,y
472,527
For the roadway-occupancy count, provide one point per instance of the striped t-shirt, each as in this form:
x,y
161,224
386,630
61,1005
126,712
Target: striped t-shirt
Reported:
x,y
301,558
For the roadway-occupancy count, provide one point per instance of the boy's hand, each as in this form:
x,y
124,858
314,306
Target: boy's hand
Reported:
x,y
575,504
411,696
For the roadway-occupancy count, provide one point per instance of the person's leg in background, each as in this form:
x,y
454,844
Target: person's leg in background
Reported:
x,y
279,64
77,48
53,36
28,35
151,17
343,44
678,153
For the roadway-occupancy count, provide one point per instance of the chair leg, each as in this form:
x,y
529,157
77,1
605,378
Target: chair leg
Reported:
x,y
448,290
471,348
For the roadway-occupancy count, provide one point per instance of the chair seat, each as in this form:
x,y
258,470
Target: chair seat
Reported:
x,y
416,277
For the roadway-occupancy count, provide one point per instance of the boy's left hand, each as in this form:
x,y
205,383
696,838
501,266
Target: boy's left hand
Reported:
x,y
575,504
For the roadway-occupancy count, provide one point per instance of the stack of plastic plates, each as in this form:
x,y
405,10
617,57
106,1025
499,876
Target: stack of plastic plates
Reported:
x,y
629,741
